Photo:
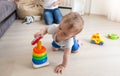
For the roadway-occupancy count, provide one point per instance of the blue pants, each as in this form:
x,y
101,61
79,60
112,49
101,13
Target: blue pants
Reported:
x,y
75,46
52,16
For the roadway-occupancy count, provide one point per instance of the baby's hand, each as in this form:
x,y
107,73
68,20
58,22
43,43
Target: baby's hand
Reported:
x,y
42,32
37,34
59,68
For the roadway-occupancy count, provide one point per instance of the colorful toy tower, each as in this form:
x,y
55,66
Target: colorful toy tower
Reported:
x,y
39,55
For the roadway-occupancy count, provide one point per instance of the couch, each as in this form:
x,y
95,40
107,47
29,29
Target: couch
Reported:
x,y
7,15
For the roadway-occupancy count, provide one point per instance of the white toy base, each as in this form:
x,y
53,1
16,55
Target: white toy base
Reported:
x,y
41,65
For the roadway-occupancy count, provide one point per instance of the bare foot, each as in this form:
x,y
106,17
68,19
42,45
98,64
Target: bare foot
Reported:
x,y
55,49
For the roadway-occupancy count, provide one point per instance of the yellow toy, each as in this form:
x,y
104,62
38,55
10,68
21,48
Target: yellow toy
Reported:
x,y
39,55
97,39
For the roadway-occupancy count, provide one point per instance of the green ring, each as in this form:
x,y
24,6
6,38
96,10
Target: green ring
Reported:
x,y
39,58
113,36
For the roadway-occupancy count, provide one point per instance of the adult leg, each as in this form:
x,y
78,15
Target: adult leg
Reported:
x,y
48,16
57,16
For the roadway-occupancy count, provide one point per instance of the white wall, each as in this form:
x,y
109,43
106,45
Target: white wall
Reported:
x,y
99,7
78,6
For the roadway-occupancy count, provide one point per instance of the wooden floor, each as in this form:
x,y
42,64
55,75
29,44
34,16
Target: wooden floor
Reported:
x,y
91,60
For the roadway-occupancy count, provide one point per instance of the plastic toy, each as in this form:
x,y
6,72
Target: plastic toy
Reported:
x,y
113,36
97,39
28,19
39,55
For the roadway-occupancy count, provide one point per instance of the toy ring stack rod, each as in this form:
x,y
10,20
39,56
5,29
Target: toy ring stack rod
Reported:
x,y
36,40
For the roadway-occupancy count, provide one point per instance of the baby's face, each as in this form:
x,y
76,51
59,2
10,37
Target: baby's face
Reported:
x,y
64,33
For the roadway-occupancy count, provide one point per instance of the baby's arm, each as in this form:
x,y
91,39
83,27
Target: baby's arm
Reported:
x,y
61,67
42,32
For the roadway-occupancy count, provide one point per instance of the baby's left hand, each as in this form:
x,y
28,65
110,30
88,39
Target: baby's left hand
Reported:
x,y
59,68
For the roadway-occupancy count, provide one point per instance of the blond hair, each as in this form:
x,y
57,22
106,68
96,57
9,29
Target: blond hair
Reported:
x,y
74,20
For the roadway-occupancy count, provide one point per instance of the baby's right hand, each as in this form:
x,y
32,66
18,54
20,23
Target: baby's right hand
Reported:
x,y
42,32
37,34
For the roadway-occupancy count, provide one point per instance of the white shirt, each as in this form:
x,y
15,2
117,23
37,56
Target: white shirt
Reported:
x,y
63,43
47,4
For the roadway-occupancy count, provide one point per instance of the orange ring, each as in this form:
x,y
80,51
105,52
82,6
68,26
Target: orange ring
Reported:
x,y
39,51
37,55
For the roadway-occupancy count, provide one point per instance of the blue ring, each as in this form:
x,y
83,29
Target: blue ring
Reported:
x,y
38,62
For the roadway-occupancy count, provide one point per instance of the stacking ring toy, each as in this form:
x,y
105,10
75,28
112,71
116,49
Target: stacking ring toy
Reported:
x,y
39,55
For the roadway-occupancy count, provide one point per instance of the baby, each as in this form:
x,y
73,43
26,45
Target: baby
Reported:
x,y
64,36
